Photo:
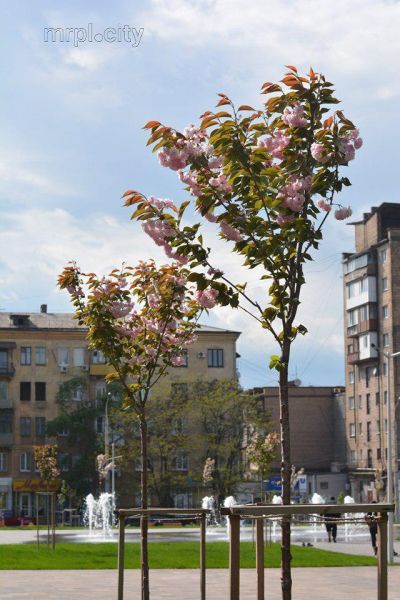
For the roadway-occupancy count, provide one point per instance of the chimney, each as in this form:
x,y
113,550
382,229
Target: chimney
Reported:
x,y
43,308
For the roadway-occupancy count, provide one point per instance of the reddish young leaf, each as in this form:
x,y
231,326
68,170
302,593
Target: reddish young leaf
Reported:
x,y
223,101
151,124
245,107
291,67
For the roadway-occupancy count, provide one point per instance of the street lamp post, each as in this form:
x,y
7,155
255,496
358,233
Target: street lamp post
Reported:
x,y
389,481
106,442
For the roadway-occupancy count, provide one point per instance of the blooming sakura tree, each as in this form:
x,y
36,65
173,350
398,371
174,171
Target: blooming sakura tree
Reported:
x,y
46,462
268,180
142,318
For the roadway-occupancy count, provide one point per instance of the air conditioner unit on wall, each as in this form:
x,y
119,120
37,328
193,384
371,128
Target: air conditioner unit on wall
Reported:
x,y
201,355
84,368
63,368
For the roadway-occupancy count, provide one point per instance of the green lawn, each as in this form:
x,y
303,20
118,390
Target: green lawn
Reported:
x,y
163,555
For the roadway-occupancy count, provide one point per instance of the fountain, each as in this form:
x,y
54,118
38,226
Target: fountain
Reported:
x,y
208,503
228,502
99,514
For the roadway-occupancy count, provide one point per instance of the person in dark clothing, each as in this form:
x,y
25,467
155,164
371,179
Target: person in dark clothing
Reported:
x,y
373,528
331,523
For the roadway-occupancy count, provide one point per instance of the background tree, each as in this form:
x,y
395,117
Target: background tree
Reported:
x,y
141,318
46,463
78,419
267,178
261,451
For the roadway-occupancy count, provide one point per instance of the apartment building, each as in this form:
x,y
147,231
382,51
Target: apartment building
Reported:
x,y
40,351
371,284
317,437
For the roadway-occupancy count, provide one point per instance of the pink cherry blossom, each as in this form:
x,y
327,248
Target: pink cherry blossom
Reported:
x,y
325,206
173,158
221,183
178,361
349,143
319,153
230,232
190,180
343,213
158,230
284,219
183,260
207,298
275,144
215,162
293,116
160,203
211,218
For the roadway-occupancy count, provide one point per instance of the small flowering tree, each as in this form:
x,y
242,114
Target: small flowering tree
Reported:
x,y
46,463
268,179
261,451
141,318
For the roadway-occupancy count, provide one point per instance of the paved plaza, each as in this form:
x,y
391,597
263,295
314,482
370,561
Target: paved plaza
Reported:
x,y
166,584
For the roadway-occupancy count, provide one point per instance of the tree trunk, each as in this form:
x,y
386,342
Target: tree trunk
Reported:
x,y
286,578
144,520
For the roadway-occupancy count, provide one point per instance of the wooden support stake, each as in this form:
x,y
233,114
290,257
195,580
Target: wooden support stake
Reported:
x,y
121,562
382,557
53,518
203,556
234,557
37,521
260,558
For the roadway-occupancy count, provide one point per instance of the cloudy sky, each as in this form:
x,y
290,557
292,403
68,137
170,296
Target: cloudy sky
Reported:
x,y
72,141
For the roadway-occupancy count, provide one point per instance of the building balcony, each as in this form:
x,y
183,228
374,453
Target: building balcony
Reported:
x,y
6,439
363,327
6,403
101,369
7,370
353,357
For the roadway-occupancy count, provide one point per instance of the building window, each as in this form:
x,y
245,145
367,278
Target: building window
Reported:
x,y
25,426
40,391
180,462
378,454
385,340
79,357
385,397
368,404
40,426
77,394
100,391
25,462
323,485
385,285
3,390
215,357
368,431
26,355
377,398
385,312
369,459
64,462
98,357
5,422
383,255
3,461
63,432
352,430
386,425
352,457
360,429
25,391
99,425
40,355
384,370
378,427
351,403
138,464
359,401
62,354
351,377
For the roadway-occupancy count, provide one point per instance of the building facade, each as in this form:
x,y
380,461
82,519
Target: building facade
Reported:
x,y
317,438
39,352
371,284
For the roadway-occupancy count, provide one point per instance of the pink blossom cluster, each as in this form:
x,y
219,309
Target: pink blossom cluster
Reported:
x,y
220,182
284,219
207,298
343,213
293,193
275,144
158,230
160,203
323,205
121,309
183,260
189,178
178,360
293,116
230,232
211,218
319,153
349,144
173,158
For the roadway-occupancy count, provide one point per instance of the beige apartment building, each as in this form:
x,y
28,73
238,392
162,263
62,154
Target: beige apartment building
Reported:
x,y
371,283
40,351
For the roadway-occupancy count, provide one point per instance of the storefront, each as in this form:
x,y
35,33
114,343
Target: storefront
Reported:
x,y
26,495
5,496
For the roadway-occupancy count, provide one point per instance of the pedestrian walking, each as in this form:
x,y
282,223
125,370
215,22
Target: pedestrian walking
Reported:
x,y
331,520
373,528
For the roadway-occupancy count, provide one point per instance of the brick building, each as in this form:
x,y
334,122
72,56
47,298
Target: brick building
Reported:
x,y
371,282
317,435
